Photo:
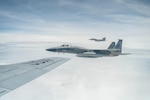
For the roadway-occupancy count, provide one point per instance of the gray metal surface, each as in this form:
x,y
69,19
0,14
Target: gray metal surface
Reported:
x,y
15,75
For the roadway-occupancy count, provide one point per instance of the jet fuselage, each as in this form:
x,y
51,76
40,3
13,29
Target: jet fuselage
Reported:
x,y
67,49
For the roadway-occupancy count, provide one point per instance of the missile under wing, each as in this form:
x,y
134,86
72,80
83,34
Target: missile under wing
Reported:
x,y
15,75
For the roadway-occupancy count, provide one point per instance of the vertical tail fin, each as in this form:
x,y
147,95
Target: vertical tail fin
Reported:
x,y
111,46
119,45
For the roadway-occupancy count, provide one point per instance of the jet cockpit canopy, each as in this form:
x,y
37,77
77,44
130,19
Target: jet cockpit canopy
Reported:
x,y
65,45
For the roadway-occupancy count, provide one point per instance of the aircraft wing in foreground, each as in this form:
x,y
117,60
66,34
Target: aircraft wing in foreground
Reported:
x,y
15,75
112,50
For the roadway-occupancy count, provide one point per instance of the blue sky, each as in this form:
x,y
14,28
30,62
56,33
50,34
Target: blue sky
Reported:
x,y
111,18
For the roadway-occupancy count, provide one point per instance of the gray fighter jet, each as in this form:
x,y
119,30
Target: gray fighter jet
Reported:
x,y
112,50
98,40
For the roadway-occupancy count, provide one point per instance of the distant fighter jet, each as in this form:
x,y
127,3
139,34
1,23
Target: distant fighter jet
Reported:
x,y
98,40
112,50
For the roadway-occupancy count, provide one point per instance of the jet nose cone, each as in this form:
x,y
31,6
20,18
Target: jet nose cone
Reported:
x,y
47,49
51,49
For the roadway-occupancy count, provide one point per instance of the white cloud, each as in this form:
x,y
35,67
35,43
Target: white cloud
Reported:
x,y
123,77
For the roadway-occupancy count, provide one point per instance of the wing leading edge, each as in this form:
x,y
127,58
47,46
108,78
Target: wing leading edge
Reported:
x,y
15,75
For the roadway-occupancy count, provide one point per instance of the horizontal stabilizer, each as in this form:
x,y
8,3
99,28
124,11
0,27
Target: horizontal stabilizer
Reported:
x,y
125,53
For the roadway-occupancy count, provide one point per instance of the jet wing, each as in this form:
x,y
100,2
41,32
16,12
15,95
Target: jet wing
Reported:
x,y
15,75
